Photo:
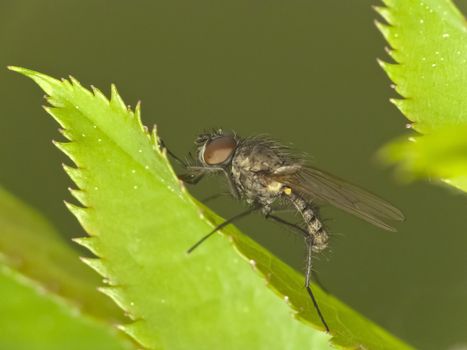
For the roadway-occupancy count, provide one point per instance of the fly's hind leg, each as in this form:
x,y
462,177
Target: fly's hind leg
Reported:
x,y
304,233
310,244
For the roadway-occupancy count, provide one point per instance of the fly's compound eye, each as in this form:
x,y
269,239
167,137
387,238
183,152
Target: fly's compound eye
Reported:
x,y
218,150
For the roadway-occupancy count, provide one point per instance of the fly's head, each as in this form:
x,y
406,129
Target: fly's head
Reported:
x,y
216,149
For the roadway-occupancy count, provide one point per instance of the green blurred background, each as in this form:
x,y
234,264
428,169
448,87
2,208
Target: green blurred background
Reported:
x,y
303,71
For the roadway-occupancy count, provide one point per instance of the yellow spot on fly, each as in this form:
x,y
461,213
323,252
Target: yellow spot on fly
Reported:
x,y
288,191
274,186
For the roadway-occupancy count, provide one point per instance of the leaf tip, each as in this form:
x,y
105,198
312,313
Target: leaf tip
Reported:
x,y
48,84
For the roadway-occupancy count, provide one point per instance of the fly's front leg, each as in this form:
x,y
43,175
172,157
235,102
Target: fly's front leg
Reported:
x,y
194,174
170,153
191,178
232,187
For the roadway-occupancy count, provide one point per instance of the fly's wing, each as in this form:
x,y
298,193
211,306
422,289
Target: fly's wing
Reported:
x,y
320,186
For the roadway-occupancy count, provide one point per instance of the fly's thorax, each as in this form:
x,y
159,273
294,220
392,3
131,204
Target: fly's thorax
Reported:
x,y
257,157
250,167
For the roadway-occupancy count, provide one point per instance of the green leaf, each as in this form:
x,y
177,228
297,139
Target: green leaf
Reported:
x,y
141,221
429,43
428,40
31,246
32,319
441,155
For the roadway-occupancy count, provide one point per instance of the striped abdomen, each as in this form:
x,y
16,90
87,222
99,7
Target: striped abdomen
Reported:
x,y
314,225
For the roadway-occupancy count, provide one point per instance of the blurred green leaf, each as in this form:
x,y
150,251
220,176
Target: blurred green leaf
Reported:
x,y
31,246
441,155
428,40
32,319
141,222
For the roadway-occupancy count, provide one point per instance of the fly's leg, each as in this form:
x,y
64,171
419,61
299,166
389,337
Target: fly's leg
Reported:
x,y
309,245
306,235
214,196
286,223
233,189
316,240
221,226
193,176
170,153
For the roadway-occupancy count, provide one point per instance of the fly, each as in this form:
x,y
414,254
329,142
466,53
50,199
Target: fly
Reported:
x,y
270,177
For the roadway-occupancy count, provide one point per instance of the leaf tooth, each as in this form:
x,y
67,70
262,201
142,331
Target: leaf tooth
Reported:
x,y
391,69
66,133
155,139
68,148
54,112
382,63
384,12
116,100
54,101
137,115
99,95
137,332
388,3
402,105
119,298
392,53
76,86
137,112
97,265
384,29
91,243
75,174
79,212
80,195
